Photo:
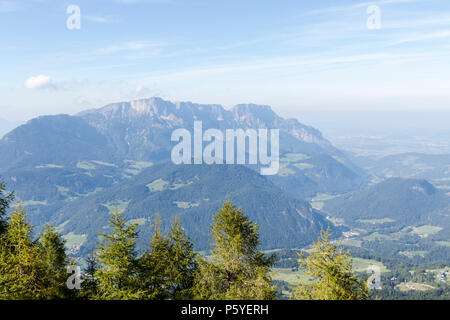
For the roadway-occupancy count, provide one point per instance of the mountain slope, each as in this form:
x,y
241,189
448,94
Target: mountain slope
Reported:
x,y
402,201
194,193
71,170
57,139
433,167
141,129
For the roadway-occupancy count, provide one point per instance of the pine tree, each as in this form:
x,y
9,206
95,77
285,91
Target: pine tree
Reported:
x,y
118,268
53,257
153,265
238,269
169,268
5,201
90,282
182,264
331,270
20,268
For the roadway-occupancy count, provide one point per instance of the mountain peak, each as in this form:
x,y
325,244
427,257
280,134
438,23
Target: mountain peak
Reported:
x,y
153,105
129,126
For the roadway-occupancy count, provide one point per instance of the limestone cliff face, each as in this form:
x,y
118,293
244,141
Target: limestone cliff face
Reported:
x,y
141,129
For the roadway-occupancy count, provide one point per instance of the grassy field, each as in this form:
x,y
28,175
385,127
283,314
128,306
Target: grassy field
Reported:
x,y
49,165
318,205
443,243
291,277
186,205
285,171
376,221
406,286
157,185
295,277
350,242
412,254
135,167
73,239
138,221
178,185
33,203
86,165
377,236
323,197
319,200
304,166
102,163
294,157
425,231
120,205
291,159
336,221
361,265
161,185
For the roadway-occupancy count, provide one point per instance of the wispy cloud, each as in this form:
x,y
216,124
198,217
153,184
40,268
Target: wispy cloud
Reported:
x,y
9,6
432,21
143,1
97,19
423,37
290,63
336,9
128,46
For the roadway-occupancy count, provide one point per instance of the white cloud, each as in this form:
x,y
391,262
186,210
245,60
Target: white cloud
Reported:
x,y
81,100
139,88
39,82
142,91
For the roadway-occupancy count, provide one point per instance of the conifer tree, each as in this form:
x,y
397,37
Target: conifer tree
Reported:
x,y
153,265
182,264
331,270
90,282
237,269
53,257
20,268
5,201
118,268
169,268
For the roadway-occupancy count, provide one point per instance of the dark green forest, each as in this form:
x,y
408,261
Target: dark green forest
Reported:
x,y
169,268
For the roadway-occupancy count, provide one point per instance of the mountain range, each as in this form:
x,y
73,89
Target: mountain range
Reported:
x,y
395,203
71,170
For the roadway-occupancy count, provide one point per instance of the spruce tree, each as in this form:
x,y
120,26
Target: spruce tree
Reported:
x,y
331,270
237,268
153,265
90,281
21,271
168,269
182,264
118,268
53,257
5,201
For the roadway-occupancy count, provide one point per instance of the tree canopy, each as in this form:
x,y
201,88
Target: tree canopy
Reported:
x,y
331,270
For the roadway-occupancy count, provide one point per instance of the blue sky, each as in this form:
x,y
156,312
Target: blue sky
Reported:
x,y
294,55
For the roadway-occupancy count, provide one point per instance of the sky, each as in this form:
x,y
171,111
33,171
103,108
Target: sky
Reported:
x,y
293,55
